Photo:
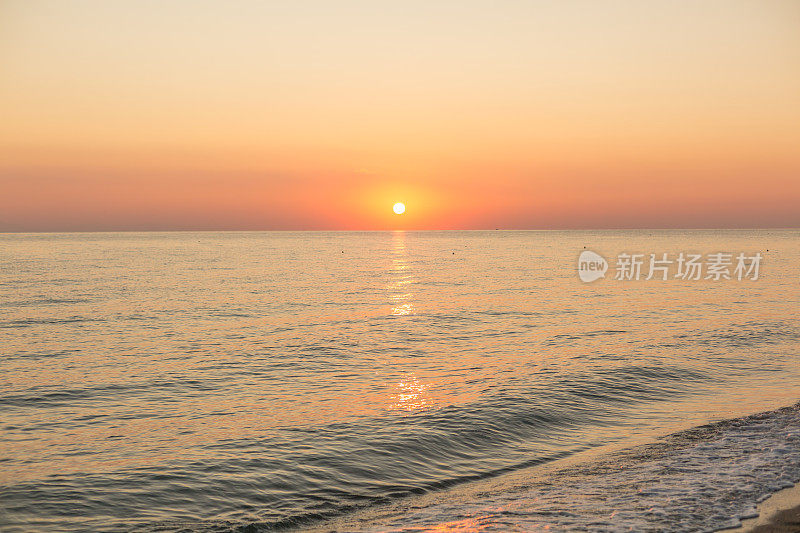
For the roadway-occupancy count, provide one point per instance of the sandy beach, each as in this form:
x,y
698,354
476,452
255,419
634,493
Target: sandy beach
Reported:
x,y
780,513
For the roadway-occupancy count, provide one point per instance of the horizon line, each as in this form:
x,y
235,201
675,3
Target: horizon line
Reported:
x,y
46,232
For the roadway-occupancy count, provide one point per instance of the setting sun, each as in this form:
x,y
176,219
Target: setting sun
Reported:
x,y
399,208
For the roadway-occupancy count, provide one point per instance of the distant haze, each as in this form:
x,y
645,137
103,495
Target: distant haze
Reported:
x,y
321,115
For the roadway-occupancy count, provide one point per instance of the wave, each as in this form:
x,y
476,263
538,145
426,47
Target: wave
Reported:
x,y
27,322
703,479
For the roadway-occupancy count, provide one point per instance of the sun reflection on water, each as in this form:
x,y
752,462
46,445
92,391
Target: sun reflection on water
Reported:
x,y
410,396
400,277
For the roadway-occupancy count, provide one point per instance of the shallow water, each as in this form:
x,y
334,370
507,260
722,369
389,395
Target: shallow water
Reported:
x,y
218,380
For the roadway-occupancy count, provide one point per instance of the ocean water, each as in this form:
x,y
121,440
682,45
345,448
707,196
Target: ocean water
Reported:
x,y
391,381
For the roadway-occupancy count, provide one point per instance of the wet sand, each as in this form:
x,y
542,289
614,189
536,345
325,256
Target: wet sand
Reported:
x,y
778,514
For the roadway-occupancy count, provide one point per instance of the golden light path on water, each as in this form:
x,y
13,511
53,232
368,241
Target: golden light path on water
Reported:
x,y
401,277
409,394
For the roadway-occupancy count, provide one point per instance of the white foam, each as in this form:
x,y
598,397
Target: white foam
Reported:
x,y
704,479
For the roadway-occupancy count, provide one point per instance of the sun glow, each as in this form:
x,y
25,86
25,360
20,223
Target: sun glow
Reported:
x,y
399,208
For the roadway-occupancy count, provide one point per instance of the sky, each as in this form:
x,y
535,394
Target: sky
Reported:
x,y
301,115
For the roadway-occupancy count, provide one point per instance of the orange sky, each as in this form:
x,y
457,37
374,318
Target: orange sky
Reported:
x,y
321,115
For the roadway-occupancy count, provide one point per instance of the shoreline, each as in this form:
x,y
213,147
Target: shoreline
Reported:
x,y
780,513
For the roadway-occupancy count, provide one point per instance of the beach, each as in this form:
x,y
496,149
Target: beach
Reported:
x,y
780,513
707,478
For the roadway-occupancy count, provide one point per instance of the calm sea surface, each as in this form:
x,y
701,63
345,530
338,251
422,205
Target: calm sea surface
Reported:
x,y
248,381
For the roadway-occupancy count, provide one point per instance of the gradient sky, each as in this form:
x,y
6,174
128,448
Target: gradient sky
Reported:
x,y
301,114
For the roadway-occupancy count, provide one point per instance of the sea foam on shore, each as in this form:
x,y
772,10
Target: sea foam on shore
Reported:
x,y
703,479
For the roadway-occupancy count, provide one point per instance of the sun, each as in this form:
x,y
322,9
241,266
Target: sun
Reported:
x,y
399,208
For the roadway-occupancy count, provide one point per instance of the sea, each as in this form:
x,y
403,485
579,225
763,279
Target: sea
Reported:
x,y
396,381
